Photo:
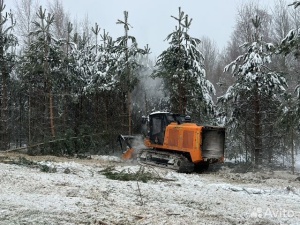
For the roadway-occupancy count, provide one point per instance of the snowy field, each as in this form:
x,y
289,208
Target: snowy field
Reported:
x,y
76,193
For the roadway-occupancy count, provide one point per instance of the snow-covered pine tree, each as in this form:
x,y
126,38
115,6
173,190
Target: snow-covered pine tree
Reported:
x,y
181,67
91,67
256,87
7,60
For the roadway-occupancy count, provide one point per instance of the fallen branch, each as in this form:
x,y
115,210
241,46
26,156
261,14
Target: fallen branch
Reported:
x,y
128,175
140,193
173,214
248,191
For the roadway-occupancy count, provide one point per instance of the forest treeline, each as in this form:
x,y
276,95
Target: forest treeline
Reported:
x,y
69,87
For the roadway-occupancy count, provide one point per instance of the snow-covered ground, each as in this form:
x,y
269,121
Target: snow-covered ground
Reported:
x,y
76,193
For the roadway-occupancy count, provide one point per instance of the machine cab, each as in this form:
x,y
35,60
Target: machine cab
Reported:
x,y
158,122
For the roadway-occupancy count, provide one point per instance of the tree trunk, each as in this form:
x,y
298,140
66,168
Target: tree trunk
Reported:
x,y
20,125
4,93
245,140
257,128
129,114
293,156
146,104
51,113
48,88
4,106
29,119
270,150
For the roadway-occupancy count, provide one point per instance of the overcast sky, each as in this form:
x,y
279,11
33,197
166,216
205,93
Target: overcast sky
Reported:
x,y
151,19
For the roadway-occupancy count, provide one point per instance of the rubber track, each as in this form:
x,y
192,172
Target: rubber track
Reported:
x,y
161,158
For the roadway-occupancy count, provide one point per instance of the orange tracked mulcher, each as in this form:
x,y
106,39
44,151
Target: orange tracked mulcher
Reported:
x,y
173,141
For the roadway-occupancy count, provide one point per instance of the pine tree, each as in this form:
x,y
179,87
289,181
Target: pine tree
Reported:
x,y
44,37
256,86
7,61
181,67
41,70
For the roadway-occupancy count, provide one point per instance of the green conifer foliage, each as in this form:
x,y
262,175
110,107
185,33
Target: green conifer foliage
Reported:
x,y
181,67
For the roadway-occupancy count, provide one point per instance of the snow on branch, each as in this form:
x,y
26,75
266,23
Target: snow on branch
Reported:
x,y
295,4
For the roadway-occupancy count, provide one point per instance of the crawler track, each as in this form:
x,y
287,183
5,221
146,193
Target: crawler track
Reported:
x,y
164,159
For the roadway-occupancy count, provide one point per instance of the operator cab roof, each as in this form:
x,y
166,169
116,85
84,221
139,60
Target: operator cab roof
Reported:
x,y
158,112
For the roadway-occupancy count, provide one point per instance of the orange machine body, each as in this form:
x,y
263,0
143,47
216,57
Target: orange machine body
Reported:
x,y
173,133
184,137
